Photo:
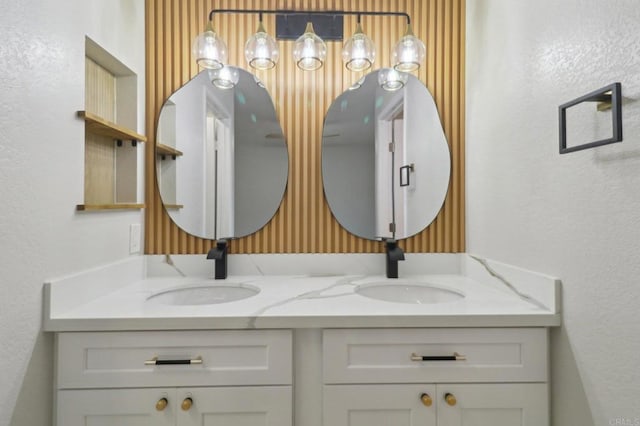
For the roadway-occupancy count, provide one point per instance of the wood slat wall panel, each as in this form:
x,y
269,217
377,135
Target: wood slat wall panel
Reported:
x,y
99,155
304,223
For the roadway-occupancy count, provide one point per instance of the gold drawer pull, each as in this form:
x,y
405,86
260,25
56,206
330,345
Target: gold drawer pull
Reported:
x,y
450,399
162,404
426,400
186,404
156,361
455,357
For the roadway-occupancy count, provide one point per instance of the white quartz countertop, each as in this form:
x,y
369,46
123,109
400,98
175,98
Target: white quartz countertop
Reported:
x,y
302,301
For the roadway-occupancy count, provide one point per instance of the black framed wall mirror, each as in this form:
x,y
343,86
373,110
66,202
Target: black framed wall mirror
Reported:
x,y
386,163
221,157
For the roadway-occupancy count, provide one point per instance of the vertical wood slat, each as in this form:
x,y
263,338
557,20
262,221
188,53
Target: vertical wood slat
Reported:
x,y
99,154
304,222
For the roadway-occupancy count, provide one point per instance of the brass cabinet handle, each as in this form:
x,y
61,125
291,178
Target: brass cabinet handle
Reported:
x,y
450,399
162,404
186,404
156,361
455,357
426,400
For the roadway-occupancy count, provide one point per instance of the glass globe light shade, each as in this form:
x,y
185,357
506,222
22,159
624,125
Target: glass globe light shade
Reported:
x,y
358,52
309,50
261,50
391,79
225,77
209,50
409,52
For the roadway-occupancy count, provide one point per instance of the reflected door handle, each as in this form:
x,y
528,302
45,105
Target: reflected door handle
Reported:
x,y
405,174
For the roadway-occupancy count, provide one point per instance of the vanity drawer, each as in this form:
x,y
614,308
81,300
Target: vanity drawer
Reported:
x,y
385,355
183,358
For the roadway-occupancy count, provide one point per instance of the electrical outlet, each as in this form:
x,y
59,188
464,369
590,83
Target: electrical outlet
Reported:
x,y
134,238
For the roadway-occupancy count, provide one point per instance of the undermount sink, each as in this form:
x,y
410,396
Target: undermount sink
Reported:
x,y
204,294
408,292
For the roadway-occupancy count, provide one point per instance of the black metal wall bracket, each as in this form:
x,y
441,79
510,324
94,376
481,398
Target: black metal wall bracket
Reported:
x,y
608,97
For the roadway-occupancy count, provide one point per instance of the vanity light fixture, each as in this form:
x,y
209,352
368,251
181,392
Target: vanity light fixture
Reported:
x,y
309,50
409,52
209,50
358,52
261,50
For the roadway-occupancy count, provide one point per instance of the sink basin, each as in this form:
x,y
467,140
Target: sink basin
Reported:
x,y
408,292
204,294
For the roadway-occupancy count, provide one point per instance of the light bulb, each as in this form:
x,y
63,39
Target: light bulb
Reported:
x,y
358,52
209,50
409,52
261,50
309,50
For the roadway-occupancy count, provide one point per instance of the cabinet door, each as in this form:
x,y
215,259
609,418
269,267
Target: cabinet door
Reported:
x,y
500,404
116,407
236,406
378,405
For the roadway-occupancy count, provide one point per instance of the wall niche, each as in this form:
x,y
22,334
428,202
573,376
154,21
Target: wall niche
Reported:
x,y
111,144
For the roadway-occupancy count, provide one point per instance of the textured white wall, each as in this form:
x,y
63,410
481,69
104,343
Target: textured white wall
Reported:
x,y
576,216
41,177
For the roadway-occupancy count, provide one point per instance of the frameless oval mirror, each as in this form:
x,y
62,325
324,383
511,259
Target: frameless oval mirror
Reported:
x,y
222,159
385,159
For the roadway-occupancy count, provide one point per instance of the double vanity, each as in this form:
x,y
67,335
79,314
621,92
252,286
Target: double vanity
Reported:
x,y
294,339
304,340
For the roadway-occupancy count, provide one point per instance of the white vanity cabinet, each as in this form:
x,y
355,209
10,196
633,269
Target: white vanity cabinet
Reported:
x,y
178,378
408,377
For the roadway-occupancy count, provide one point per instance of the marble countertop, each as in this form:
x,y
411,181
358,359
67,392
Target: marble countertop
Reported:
x,y
116,298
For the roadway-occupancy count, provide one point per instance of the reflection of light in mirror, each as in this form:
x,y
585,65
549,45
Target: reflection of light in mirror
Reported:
x,y
366,119
254,118
379,101
343,105
274,136
390,79
357,84
258,81
224,78
240,97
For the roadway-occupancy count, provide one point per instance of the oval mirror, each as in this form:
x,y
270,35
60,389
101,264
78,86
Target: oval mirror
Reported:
x,y
385,158
221,157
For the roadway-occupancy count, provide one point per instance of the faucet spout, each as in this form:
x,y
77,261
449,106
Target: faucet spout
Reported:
x,y
394,254
219,255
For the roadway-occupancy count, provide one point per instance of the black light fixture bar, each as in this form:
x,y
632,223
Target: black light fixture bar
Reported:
x,y
291,12
327,24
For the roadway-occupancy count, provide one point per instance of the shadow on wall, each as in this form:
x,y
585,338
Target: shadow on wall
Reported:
x,y
34,406
567,389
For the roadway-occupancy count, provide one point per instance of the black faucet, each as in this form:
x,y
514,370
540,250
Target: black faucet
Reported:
x,y
394,254
219,254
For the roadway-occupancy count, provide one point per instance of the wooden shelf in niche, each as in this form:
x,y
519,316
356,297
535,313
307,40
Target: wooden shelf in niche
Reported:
x,y
173,206
99,207
100,126
162,149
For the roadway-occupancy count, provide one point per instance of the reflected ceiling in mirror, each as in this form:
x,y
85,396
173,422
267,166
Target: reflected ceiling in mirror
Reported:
x,y
385,159
221,157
